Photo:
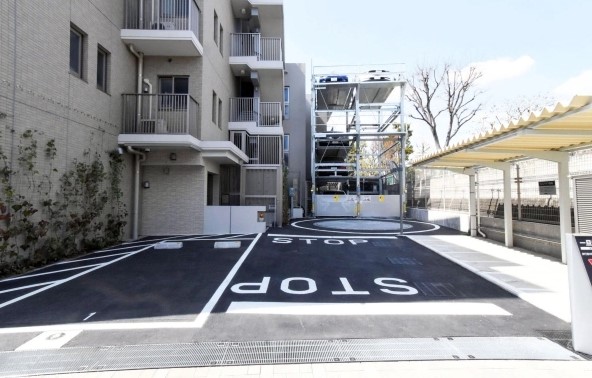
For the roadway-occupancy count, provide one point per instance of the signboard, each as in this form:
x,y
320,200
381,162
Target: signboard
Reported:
x,y
579,265
547,188
584,244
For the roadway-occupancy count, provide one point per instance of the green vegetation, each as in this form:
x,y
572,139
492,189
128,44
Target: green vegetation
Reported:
x,y
39,223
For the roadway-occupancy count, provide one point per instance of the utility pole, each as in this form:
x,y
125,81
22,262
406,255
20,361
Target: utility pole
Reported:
x,y
518,180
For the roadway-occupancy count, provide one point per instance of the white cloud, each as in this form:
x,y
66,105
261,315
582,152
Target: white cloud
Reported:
x,y
502,68
577,85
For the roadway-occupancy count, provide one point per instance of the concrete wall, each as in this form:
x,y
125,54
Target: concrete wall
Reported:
x,y
456,221
234,219
537,237
296,127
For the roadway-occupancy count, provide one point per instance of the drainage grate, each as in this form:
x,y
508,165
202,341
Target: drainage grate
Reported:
x,y
438,289
382,243
84,359
404,261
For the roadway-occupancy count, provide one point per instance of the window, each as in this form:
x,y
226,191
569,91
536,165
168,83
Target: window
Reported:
x,y
216,29
214,111
286,102
287,149
170,89
76,52
220,113
221,45
103,69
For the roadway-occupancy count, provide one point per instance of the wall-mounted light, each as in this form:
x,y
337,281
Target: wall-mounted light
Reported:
x,y
243,11
242,72
173,156
146,184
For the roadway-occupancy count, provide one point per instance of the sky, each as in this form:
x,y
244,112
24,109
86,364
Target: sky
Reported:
x,y
524,48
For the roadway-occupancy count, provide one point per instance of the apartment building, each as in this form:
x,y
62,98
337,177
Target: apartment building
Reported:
x,y
192,93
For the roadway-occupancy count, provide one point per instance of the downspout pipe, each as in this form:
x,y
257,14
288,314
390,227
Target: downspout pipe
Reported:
x,y
140,56
138,158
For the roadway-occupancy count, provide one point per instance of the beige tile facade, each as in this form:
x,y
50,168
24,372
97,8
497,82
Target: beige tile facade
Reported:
x,y
38,92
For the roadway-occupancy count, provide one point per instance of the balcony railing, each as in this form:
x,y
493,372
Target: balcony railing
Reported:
x,y
266,149
160,114
250,109
252,44
162,15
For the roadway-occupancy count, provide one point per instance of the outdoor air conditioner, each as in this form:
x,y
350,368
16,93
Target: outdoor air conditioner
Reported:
x,y
164,25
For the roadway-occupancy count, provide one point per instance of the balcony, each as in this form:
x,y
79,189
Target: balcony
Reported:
x,y
157,115
253,52
256,117
163,27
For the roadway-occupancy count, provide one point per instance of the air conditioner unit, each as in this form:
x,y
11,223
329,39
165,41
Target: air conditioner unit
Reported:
x,y
164,25
153,126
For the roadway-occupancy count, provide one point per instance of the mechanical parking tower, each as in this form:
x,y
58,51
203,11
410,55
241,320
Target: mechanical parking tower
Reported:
x,y
358,136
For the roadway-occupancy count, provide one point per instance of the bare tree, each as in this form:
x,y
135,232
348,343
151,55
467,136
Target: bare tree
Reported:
x,y
448,92
514,109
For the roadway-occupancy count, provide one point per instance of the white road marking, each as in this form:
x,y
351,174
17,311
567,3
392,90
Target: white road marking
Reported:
x,y
90,258
219,239
434,227
89,316
119,249
49,340
342,237
205,313
46,273
338,309
18,299
28,286
237,236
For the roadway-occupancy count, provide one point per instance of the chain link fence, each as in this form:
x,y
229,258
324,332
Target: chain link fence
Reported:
x,y
448,191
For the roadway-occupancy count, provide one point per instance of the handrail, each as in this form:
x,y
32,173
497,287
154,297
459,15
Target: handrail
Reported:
x,y
160,114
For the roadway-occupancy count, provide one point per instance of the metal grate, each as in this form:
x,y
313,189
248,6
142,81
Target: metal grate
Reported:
x,y
404,261
84,359
382,243
438,289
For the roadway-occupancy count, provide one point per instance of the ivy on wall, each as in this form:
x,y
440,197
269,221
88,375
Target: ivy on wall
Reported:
x,y
40,223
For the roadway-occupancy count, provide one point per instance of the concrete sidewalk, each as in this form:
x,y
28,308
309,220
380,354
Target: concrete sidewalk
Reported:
x,y
419,369
541,281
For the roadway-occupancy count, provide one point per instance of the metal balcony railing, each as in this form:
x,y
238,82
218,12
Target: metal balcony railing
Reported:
x,y
252,44
162,15
264,149
250,109
160,114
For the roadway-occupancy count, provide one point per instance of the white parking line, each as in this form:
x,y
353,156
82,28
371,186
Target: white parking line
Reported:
x,y
331,237
95,267
90,258
366,309
205,313
27,287
47,273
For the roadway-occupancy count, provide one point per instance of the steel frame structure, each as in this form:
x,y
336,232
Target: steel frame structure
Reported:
x,y
358,130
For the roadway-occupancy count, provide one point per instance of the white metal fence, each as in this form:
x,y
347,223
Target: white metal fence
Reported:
x,y
160,114
252,44
162,15
250,109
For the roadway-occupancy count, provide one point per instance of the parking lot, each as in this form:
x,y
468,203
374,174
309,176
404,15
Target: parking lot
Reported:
x,y
312,280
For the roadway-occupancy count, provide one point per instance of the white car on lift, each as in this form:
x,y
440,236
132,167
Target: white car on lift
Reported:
x,y
377,75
